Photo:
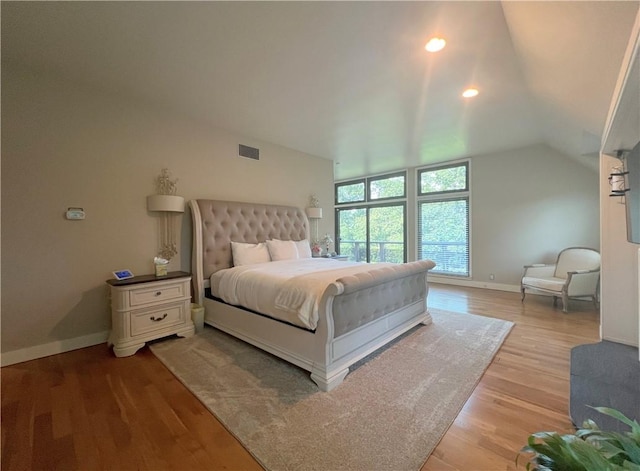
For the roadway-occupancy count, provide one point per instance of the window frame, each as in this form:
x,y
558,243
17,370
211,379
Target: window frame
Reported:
x,y
367,188
387,176
431,168
369,203
438,196
368,208
349,183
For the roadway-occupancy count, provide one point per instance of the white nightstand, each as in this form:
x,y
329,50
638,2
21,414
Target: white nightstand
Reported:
x,y
342,258
148,307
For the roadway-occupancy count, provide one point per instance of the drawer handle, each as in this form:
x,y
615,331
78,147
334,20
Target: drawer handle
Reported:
x,y
158,293
153,318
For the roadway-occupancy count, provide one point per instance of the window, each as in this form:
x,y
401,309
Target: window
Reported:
x,y
370,226
350,192
443,179
387,186
443,218
387,233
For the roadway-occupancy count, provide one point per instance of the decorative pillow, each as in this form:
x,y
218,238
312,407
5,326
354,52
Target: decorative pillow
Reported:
x,y
282,250
248,254
304,249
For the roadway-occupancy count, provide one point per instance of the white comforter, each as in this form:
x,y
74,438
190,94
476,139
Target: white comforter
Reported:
x,y
288,290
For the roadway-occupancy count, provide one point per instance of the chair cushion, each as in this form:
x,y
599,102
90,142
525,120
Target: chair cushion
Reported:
x,y
549,284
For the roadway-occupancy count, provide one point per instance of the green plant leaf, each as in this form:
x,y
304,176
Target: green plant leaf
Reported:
x,y
635,427
589,449
620,447
590,425
627,465
631,448
590,458
610,450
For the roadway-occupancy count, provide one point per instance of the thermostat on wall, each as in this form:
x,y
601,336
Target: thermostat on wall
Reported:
x,y
75,213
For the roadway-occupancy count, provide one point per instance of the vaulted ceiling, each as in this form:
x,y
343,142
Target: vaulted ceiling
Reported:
x,y
347,81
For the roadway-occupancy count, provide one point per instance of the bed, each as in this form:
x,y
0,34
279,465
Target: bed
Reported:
x,y
357,312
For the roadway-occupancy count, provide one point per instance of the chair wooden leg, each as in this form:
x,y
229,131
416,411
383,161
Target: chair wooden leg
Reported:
x,y
555,301
565,303
523,294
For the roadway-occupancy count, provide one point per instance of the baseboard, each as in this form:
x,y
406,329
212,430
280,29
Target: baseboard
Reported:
x,y
53,348
473,284
620,341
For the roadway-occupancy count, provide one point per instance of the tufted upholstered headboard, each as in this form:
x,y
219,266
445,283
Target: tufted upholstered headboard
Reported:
x,y
217,223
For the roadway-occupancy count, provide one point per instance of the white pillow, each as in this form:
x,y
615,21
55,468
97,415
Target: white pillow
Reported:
x,y
282,250
304,249
248,254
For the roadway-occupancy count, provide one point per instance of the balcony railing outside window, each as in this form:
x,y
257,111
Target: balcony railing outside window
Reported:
x,y
450,257
381,251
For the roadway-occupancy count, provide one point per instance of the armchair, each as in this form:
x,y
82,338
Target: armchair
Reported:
x,y
576,274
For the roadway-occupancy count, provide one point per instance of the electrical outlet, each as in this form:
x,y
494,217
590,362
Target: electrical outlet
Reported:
x,y
492,276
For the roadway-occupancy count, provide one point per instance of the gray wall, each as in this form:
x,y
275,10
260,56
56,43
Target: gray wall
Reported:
x,y
64,146
527,205
620,287
67,146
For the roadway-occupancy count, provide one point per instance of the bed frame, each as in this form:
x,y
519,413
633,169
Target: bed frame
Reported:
x,y
358,313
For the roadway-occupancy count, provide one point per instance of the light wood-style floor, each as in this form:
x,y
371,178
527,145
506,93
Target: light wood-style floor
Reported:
x,y
88,410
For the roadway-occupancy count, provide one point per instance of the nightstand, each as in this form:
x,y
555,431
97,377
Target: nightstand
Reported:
x,y
148,307
342,258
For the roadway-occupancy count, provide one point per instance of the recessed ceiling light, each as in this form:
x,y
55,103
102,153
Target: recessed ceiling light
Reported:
x,y
435,44
470,92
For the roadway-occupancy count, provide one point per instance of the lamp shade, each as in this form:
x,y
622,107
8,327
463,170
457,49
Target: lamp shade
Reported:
x,y
171,203
314,213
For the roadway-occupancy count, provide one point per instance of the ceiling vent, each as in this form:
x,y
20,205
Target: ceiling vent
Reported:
x,y
249,152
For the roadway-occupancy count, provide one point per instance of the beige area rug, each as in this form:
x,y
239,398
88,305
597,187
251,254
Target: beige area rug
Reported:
x,y
388,414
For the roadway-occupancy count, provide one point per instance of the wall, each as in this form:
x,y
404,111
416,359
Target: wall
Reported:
x,y
619,284
526,205
64,145
620,289
69,146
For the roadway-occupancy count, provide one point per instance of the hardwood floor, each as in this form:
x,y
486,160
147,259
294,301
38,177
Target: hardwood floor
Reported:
x,y
88,410
526,387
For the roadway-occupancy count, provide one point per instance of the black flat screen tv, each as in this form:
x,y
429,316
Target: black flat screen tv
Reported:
x,y
632,167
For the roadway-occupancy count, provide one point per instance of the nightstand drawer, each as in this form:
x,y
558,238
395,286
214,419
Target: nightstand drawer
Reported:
x,y
154,319
151,294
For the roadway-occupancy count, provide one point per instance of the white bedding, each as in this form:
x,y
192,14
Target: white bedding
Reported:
x,y
288,290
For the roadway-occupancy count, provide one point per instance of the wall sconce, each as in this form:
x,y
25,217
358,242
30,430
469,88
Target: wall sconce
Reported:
x,y
314,212
168,204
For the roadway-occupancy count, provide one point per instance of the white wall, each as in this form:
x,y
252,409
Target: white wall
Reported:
x,y
527,205
619,284
620,291
67,146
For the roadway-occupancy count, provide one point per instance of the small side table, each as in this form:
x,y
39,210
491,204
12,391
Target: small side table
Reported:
x,y
148,307
342,258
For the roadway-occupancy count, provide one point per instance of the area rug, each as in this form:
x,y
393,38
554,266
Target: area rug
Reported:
x,y
388,414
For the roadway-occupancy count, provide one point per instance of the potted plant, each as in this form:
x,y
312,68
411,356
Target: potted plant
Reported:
x,y
588,449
